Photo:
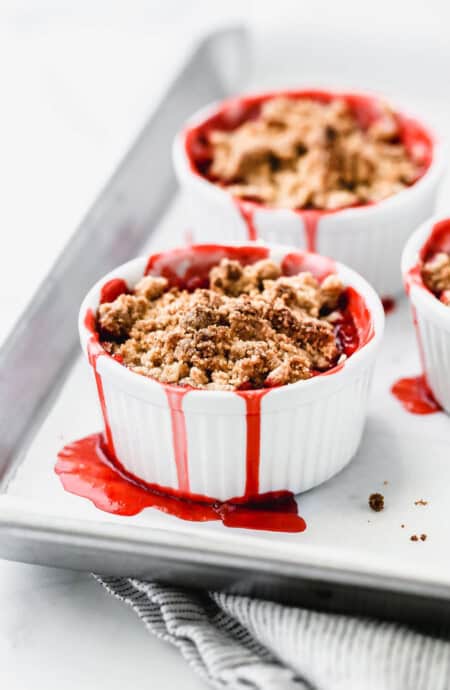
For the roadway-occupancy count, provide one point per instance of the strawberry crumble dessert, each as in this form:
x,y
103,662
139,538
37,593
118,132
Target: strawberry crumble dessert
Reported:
x,y
436,276
251,327
301,153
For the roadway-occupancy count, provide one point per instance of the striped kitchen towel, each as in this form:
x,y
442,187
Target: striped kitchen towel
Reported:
x,y
249,644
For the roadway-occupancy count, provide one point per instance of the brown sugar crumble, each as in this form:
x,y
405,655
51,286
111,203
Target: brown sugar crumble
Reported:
x,y
423,537
251,328
436,276
414,537
300,153
421,502
376,502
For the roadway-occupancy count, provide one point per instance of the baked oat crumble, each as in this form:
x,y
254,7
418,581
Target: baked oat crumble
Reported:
x,y
300,153
436,276
251,328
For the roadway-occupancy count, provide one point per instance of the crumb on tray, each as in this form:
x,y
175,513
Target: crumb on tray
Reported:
x,y
376,502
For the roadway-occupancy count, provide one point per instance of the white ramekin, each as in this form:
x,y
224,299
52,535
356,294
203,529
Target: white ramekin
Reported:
x,y
431,317
309,430
368,238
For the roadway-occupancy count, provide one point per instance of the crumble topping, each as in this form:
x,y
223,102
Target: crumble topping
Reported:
x,y
436,276
251,328
300,153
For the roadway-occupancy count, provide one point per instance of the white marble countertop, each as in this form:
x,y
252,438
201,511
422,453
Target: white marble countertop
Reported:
x,y
77,81
60,629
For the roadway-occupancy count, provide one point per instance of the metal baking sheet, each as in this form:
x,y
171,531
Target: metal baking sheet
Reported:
x,y
349,558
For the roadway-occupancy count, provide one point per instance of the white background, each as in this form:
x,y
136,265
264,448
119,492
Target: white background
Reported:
x,y
77,80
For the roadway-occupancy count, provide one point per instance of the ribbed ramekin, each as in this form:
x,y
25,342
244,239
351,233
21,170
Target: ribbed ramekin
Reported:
x,y
368,238
431,317
307,430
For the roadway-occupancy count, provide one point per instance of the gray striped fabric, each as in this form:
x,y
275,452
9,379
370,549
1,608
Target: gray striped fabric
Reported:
x,y
248,644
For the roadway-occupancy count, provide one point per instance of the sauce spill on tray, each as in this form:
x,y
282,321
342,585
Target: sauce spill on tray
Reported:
x,y
415,395
85,470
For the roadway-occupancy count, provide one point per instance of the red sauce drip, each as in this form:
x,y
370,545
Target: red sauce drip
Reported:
x,y
112,290
175,395
418,337
95,350
253,442
311,219
188,267
85,470
247,211
415,395
310,225
388,304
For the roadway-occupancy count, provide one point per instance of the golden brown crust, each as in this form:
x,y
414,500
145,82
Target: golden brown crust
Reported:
x,y
300,153
436,276
252,328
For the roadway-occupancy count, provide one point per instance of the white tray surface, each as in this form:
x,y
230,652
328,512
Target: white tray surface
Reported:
x,y
411,453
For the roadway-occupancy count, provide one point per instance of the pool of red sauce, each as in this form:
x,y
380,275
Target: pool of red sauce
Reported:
x,y
235,112
415,395
89,467
414,392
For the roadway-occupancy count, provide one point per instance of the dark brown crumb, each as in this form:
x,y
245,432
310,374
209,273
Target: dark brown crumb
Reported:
x,y
414,537
423,537
421,502
385,482
402,526
376,502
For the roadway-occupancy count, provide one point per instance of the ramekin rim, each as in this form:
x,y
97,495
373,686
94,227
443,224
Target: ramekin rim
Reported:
x,y
184,170
410,259
368,293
